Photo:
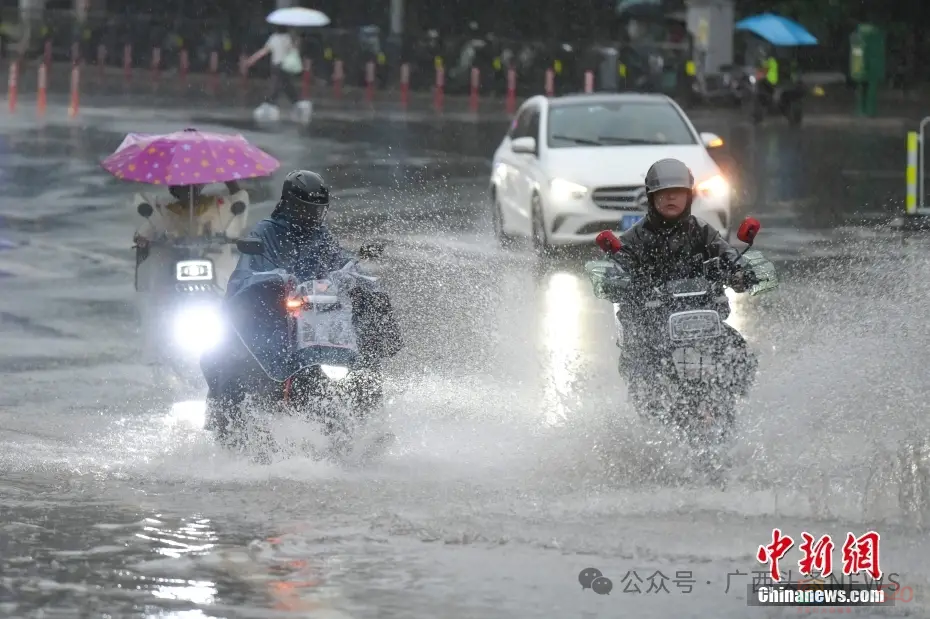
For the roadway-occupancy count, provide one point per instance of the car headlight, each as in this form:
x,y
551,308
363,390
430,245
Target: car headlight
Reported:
x,y
714,187
334,372
198,329
561,189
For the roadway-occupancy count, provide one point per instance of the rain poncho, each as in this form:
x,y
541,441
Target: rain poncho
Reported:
x,y
655,253
304,254
255,295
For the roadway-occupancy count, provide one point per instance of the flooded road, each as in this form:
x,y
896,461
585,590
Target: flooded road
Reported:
x,y
518,461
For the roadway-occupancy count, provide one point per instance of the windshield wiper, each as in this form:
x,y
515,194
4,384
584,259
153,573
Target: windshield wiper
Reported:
x,y
577,140
607,138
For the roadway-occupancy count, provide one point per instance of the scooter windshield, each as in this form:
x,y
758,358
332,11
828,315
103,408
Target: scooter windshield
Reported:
x,y
695,285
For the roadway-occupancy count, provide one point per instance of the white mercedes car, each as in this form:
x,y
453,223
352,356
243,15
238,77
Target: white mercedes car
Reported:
x,y
572,166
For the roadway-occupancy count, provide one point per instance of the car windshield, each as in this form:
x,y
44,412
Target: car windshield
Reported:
x,y
617,123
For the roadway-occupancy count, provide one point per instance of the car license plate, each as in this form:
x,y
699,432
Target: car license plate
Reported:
x,y
628,221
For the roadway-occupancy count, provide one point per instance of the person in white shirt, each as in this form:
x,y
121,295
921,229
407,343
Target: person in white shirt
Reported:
x,y
286,62
213,215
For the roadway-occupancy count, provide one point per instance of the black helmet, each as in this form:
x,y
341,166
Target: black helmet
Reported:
x,y
668,174
304,197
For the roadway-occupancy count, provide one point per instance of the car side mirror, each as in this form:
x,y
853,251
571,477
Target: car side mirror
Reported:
x,y
145,209
251,247
711,140
524,146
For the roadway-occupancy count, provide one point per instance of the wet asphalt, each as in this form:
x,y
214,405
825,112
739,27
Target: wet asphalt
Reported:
x,y
516,452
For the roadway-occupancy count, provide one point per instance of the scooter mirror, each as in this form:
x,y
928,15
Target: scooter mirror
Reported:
x,y
237,208
748,230
145,209
608,242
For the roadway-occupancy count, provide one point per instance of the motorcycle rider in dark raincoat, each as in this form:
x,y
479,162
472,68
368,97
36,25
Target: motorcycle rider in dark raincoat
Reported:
x,y
670,243
296,239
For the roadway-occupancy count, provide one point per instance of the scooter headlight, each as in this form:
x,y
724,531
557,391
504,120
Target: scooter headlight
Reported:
x,y
334,372
198,329
194,271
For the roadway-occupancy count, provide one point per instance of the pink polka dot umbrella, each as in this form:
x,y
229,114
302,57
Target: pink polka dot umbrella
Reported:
x,y
188,157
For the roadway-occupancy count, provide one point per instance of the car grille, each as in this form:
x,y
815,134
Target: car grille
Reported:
x,y
599,227
626,198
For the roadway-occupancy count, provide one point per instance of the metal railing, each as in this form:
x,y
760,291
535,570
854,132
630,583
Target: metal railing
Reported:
x,y
105,39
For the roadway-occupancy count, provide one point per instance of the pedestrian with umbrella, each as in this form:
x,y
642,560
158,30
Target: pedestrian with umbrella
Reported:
x,y
286,61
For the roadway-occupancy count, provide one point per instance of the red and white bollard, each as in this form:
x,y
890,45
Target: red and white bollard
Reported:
x,y
550,83
511,102
214,71
156,63
307,86
589,82
127,62
185,64
75,91
42,95
475,85
369,82
338,77
439,92
101,58
404,85
13,86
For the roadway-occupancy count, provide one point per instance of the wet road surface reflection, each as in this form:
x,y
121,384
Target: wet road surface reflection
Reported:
x,y
518,461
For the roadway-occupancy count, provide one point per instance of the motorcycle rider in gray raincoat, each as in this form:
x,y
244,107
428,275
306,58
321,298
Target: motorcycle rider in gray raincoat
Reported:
x,y
670,243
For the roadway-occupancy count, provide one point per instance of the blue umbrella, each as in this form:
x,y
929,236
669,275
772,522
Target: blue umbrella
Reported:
x,y
777,30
